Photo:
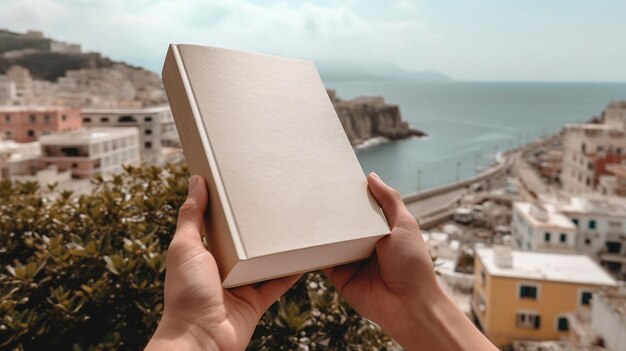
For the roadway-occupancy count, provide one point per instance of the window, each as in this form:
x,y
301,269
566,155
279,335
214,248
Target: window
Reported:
x,y
30,133
147,119
7,119
483,279
86,120
528,320
585,298
587,241
9,134
613,246
63,117
600,148
528,291
546,237
592,224
46,118
562,324
563,238
583,147
480,303
148,145
126,119
46,132
74,165
148,132
104,119
32,118
575,220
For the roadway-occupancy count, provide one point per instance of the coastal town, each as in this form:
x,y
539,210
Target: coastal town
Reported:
x,y
533,248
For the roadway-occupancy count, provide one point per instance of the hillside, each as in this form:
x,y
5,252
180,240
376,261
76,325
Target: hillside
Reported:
x,y
46,58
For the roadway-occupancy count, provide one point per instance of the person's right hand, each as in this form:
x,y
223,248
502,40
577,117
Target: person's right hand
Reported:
x,y
397,287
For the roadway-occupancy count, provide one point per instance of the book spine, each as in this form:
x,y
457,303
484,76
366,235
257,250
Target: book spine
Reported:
x,y
221,230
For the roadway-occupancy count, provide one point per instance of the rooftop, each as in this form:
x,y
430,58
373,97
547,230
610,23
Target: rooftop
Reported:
x,y
566,268
527,345
31,108
126,111
87,135
544,216
593,204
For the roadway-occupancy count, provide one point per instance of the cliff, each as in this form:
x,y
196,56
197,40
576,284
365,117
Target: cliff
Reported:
x,y
364,118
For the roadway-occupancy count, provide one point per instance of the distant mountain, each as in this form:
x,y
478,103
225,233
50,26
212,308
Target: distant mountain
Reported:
x,y
337,70
46,58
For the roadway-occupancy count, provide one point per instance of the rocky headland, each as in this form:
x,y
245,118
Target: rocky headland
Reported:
x,y
365,118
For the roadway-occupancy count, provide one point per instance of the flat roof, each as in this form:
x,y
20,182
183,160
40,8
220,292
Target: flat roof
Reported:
x,y
126,111
594,204
86,135
32,108
553,218
558,267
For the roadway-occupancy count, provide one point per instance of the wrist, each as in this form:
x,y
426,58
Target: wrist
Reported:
x,y
176,334
440,325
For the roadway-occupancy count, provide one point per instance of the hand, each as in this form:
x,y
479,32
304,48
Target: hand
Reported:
x,y
199,314
397,287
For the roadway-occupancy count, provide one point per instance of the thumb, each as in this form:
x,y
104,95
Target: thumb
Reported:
x,y
389,200
191,213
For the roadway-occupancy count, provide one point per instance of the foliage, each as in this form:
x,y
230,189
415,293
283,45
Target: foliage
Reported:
x,y
86,272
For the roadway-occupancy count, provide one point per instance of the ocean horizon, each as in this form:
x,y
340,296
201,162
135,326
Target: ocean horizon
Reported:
x,y
469,123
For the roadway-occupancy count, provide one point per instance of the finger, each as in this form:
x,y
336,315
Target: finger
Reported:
x,y
340,276
273,289
389,200
191,213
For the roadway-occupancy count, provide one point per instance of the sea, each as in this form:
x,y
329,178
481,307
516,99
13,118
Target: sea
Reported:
x,y
469,123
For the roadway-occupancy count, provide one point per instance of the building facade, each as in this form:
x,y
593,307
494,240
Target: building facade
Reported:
x,y
539,227
608,318
19,159
590,149
89,152
601,227
155,126
25,124
522,295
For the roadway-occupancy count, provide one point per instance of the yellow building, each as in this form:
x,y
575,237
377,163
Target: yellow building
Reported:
x,y
525,295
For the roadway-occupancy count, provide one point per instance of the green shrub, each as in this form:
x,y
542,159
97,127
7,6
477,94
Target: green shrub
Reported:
x,y
86,272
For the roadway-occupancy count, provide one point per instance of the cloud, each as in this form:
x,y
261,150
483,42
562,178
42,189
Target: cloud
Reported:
x,y
138,31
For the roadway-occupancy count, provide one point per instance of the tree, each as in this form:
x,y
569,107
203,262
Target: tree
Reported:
x,y
86,272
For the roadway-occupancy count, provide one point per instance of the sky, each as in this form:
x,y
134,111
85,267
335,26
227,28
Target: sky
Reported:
x,y
486,40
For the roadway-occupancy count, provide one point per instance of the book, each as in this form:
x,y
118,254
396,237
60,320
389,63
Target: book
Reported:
x,y
286,191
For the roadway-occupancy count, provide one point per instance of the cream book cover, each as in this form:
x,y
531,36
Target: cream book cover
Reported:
x,y
286,191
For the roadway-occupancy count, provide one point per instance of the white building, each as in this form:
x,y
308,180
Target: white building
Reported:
x,y
608,318
541,227
23,81
615,114
155,125
18,159
601,227
589,148
88,152
8,91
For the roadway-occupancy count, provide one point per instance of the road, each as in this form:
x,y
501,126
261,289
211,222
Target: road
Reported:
x,y
512,164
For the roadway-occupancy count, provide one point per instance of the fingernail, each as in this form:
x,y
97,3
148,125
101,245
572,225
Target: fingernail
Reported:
x,y
375,176
193,181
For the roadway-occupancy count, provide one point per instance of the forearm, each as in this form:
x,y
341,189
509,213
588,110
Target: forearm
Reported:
x,y
172,334
436,323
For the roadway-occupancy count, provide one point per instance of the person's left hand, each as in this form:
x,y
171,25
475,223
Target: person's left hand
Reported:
x,y
198,312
